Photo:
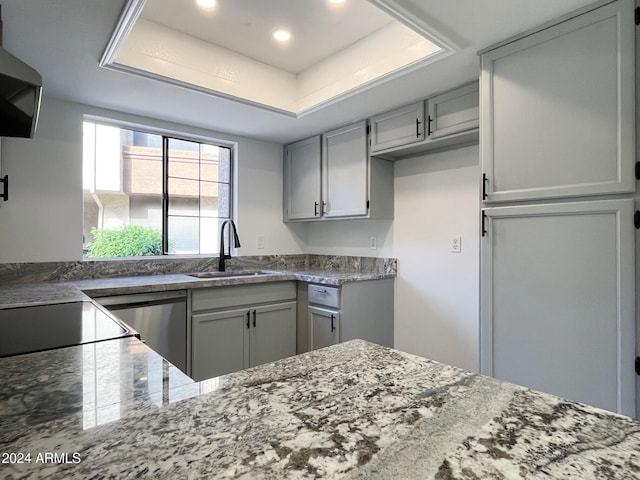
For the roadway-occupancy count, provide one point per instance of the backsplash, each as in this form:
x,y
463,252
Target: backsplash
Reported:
x,y
21,273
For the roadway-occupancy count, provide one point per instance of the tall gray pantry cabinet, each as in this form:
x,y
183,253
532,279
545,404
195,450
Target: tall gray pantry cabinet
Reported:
x,y
558,152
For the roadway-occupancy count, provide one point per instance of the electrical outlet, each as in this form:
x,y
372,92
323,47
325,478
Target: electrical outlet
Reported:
x,y
260,241
456,244
374,243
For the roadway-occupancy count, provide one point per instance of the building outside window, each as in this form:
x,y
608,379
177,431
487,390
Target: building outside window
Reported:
x,y
165,195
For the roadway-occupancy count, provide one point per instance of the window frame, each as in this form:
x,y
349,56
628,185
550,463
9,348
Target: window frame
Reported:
x,y
166,135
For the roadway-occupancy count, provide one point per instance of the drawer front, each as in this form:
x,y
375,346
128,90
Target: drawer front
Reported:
x,y
235,296
323,295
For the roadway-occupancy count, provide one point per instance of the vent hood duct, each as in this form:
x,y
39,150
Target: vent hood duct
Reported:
x,y
20,94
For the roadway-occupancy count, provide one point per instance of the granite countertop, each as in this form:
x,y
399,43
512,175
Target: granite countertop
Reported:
x,y
352,411
47,293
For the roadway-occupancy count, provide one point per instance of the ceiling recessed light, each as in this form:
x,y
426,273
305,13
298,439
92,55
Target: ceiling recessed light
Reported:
x,y
282,35
206,3
336,2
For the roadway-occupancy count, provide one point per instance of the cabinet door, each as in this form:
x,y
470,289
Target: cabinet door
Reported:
x,y
399,127
219,343
558,109
558,300
302,179
454,111
345,164
324,327
273,332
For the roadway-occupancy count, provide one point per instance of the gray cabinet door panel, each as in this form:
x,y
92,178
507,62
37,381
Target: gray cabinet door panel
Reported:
x,y
273,334
219,343
558,116
345,164
558,298
302,179
454,111
324,329
399,127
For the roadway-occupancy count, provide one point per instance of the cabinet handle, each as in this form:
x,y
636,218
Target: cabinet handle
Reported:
x,y
323,211
5,189
484,230
484,186
429,121
315,209
248,319
333,326
418,122
255,317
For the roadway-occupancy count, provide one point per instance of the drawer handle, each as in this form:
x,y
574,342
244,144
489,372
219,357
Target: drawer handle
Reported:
x,y
333,326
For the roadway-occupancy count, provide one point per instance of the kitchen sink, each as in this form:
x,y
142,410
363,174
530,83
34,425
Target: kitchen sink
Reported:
x,y
230,273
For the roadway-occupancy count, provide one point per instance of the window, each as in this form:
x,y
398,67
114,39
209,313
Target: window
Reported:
x,y
152,194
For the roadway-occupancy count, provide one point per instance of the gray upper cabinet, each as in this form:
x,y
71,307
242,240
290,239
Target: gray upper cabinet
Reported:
x,y
332,176
398,127
302,178
558,109
452,121
453,112
345,168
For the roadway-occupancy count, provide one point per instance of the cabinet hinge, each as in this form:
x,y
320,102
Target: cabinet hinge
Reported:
x,y
637,170
637,365
637,15
636,219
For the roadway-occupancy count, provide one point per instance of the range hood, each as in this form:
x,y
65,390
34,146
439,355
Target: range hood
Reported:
x,y
20,94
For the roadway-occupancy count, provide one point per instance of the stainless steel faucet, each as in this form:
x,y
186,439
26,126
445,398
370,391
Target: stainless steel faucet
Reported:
x,y
236,241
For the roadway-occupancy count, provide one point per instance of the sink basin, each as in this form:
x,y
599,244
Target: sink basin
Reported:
x,y
216,274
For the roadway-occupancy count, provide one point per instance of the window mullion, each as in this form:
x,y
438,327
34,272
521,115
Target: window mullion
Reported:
x,y
165,195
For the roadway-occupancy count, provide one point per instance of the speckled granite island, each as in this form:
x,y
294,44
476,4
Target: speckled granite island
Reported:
x,y
355,410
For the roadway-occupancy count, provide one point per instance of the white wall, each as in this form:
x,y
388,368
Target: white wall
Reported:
x,y
437,292
42,221
351,237
437,298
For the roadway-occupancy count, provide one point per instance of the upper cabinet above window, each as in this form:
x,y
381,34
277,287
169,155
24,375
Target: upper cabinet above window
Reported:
x,y
558,109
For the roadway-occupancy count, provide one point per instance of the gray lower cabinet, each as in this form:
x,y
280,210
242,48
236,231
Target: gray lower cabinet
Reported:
x,y
220,342
355,310
238,327
324,327
273,333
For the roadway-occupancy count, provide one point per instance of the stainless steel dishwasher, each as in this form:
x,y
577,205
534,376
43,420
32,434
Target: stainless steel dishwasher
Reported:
x,y
160,318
